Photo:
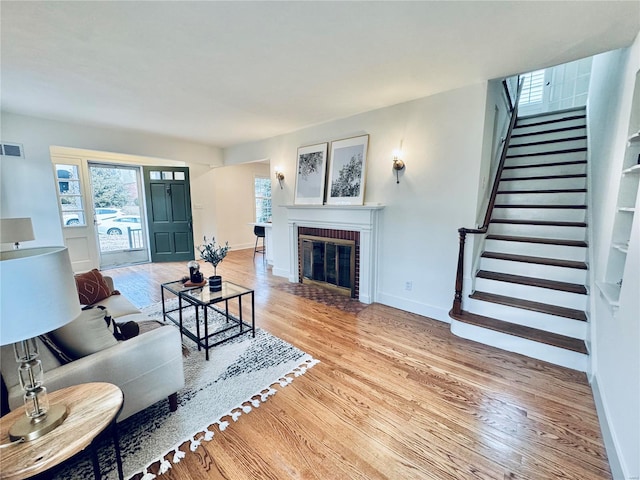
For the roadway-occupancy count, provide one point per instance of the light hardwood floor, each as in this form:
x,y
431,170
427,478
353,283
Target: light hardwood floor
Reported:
x,y
396,396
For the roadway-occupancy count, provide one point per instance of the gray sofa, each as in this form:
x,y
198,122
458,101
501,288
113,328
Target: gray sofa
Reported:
x,y
148,368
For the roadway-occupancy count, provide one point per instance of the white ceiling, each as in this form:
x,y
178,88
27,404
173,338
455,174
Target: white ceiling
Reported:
x,y
224,73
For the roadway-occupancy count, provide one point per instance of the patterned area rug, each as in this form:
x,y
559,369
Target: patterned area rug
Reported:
x,y
240,375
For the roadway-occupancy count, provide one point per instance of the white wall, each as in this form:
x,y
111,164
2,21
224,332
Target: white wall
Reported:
x,y
615,337
442,142
223,203
27,187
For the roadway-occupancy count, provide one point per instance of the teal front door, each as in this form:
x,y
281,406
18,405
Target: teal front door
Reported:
x,y
169,219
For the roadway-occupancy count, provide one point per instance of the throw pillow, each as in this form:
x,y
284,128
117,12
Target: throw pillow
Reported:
x,y
60,355
92,287
87,334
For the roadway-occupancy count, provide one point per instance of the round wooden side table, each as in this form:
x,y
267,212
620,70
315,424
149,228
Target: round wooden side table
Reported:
x,y
93,407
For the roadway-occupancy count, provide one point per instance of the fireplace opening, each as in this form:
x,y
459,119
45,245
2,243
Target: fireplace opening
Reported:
x,y
329,262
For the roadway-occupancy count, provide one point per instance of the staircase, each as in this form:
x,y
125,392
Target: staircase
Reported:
x,y
530,292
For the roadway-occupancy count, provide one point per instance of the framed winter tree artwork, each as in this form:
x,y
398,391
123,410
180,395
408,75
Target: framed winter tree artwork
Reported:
x,y
310,174
347,166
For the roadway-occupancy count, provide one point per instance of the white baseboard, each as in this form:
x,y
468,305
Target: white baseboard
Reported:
x,y
431,311
280,272
618,469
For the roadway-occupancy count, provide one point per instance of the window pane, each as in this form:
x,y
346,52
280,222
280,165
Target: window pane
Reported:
x,y
179,175
167,175
532,87
153,175
262,187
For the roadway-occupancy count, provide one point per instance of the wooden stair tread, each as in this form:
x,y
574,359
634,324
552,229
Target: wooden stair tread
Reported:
x,y
546,142
566,190
529,333
530,305
533,282
550,152
546,132
548,223
547,122
529,205
551,164
554,262
547,241
545,177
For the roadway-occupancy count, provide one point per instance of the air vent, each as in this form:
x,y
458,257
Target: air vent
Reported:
x,y
11,150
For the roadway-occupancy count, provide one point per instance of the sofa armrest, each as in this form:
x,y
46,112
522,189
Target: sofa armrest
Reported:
x,y
109,282
147,368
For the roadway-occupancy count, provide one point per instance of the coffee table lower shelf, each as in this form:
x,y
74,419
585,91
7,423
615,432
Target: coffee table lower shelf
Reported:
x,y
218,337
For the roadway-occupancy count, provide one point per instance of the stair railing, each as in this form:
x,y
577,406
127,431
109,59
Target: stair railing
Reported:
x,y
462,232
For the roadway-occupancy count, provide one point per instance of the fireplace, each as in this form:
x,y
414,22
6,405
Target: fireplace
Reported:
x,y
329,258
356,223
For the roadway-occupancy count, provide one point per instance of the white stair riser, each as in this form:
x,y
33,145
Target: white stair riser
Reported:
x,y
550,158
543,137
522,121
547,214
575,169
537,249
542,321
544,184
546,353
549,272
569,198
535,294
542,231
547,147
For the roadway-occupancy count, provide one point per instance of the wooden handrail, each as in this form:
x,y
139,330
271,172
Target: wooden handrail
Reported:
x,y
462,232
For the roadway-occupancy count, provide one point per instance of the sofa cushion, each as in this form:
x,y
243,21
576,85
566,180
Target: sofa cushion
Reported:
x,y
91,287
85,335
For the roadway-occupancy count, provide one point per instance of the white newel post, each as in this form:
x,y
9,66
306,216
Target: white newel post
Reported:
x,y
362,219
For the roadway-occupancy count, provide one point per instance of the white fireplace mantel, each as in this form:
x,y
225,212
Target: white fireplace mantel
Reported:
x,y
357,218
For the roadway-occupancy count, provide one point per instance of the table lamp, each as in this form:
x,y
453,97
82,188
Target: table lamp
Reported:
x,y
16,230
37,295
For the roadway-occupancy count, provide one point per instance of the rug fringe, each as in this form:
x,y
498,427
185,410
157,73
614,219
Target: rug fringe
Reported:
x,y
235,413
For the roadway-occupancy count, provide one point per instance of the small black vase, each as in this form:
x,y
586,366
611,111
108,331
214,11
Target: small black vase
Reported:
x,y
215,283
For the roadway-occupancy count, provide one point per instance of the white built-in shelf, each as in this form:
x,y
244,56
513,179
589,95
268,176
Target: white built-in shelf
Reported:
x,y
610,292
621,247
634,138
627,209
631,170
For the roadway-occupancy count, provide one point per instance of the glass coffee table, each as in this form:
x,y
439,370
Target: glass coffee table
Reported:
x,y
212,309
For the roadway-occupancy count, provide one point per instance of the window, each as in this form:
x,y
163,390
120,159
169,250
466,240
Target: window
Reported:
x,y
263,199
532,88
70,195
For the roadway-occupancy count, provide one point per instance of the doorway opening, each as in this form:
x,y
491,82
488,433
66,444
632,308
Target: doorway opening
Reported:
x,y
118,203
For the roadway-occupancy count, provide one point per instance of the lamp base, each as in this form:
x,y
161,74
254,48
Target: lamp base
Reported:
x,y
29,429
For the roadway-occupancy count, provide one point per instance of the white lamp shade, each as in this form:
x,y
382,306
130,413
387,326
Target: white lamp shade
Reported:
x,y
37,292
14,230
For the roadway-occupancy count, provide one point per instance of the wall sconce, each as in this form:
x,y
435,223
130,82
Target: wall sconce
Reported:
x,y
279,176
398,164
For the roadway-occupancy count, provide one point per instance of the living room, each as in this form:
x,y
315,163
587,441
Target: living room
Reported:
x,y
446,136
